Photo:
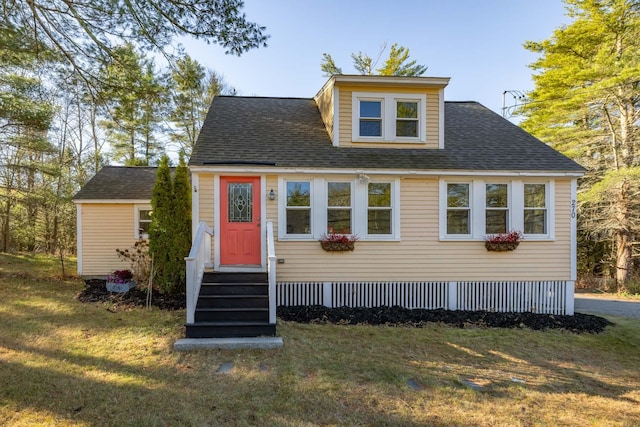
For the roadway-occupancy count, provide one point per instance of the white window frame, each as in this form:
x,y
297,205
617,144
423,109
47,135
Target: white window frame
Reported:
x,y
477,198
350,207
359,208
507,208
282,209
136,220
444,195
395,207
389,113
382,114
550,208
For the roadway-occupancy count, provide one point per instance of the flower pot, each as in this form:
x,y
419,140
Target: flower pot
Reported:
x,y
501,246
120,287
337,246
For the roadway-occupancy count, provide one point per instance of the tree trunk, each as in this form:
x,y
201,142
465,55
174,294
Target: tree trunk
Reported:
x,y
623,258
623,233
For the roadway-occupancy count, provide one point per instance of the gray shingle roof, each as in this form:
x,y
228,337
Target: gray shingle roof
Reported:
x,y
119,182
289,132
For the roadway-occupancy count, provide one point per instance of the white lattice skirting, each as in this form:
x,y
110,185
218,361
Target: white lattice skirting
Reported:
x,y
550,297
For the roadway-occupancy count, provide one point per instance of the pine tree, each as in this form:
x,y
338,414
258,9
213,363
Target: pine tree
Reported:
x,y
170,230
161,228
182,223
586,103
395,65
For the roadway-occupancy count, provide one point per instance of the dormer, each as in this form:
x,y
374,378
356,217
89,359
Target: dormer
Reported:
x,y
383,111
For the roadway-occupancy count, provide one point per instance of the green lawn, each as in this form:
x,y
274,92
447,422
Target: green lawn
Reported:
x,y
63,362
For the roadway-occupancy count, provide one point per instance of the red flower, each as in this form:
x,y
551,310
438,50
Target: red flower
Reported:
x,y
510,237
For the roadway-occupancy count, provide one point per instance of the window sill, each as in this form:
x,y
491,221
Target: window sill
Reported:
x,y
471,239
390,142
363,239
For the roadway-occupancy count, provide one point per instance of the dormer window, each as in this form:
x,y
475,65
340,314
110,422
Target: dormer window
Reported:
x,y
371,118
389,117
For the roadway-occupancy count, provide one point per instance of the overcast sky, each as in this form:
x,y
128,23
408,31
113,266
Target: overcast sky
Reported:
x,y
477,43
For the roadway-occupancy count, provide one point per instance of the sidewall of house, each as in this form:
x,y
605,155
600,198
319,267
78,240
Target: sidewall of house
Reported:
x,y
105,228
419,255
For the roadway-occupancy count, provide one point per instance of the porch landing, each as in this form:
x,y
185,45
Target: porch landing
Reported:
x,y
251,343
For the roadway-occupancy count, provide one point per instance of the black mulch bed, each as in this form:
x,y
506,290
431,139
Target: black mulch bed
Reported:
x,y
398,316
95,291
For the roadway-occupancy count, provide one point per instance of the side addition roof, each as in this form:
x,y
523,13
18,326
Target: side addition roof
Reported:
x,y
289,132
119,183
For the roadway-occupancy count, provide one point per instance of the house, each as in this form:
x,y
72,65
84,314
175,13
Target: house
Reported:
x,y
113,212
420,182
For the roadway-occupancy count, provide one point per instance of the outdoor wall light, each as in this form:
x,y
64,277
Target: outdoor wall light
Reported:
x,y
272,195
364,179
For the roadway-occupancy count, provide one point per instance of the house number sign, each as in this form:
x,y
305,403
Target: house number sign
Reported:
x,y
573,208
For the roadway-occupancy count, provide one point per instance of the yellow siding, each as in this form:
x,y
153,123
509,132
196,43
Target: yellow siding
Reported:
x,y
105,228
420,256
272,205
324,100
206,194
345,119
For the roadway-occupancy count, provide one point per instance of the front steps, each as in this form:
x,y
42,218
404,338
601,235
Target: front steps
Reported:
x,y
232,305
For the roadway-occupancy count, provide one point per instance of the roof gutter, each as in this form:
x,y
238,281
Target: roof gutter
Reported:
x,y
372,171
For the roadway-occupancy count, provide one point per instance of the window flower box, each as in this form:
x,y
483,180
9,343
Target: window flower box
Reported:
x,y
503,241
120,281
336,242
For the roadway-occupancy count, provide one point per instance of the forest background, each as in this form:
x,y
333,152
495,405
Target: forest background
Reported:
x,y
81,87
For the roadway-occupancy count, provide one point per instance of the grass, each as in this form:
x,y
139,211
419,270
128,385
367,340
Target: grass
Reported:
x,y
66,363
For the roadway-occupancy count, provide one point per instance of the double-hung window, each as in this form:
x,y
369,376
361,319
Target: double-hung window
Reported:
x,y
389,117
142,222
368,208
496,208
298,208
339,207
379,209
474,209
370,118
535,209
407,123
458,209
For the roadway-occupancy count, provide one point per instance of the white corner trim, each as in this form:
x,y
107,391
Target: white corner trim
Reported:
x,y
195,203
573,212
216,222
336,116
263,222
441,119
79,237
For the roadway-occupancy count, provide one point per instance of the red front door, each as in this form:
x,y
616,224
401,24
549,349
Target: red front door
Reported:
x,y
240,221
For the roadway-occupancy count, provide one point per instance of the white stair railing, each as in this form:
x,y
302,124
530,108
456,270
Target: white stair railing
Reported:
x,y
271,271
199,257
